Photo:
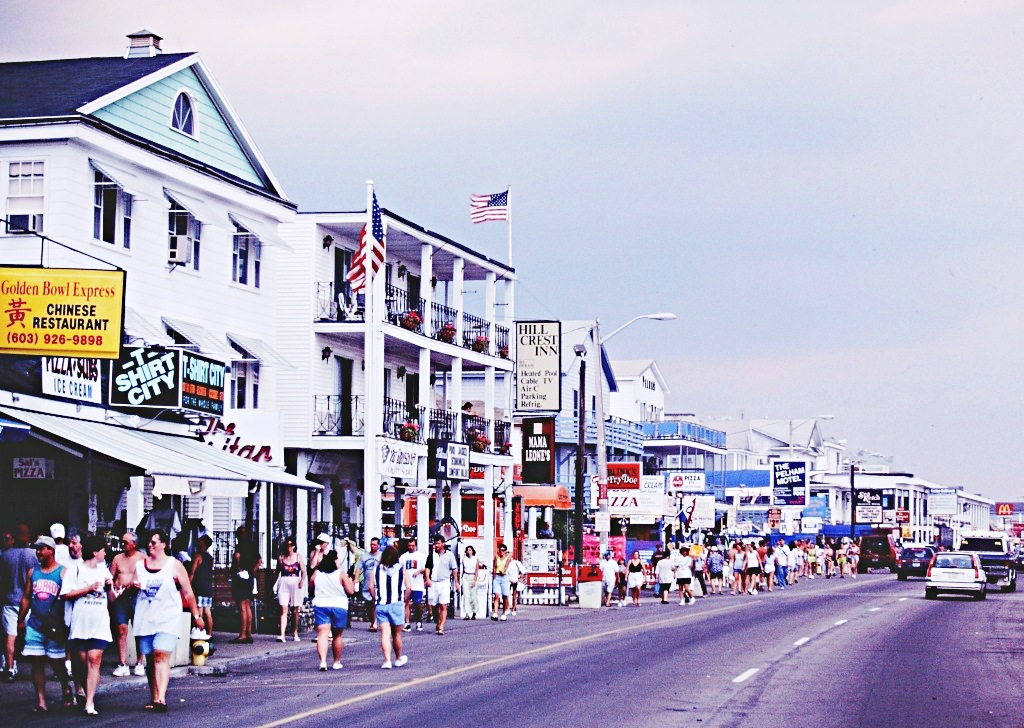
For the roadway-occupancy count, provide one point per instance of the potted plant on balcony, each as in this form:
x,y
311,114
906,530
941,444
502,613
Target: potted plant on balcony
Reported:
x,y
480,344
447,333
506,448
503,352
480,442
411,320
409,431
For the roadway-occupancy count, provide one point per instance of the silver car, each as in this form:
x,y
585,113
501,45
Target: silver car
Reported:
x,y
957,572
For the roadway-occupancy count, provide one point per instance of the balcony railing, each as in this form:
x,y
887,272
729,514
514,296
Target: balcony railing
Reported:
x,y
501,341
333,307
474,433
502,437
400,306
619,434
442,322
677,430
476,333
442,424
396,414
337,415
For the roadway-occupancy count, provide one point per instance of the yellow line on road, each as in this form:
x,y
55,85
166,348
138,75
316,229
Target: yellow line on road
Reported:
x,y
498,660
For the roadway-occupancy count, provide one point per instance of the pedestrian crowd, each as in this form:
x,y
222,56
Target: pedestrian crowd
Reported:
x,y
742,567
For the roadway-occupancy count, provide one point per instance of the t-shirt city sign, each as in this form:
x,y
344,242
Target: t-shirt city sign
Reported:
x,y
169,378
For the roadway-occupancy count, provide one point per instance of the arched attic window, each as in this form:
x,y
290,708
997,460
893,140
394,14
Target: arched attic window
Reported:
x,y
183,118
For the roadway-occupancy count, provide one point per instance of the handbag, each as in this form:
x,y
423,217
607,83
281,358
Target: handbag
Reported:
x,y
53,627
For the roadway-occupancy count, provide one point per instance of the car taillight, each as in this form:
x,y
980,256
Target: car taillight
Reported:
x,y
930,565
976,574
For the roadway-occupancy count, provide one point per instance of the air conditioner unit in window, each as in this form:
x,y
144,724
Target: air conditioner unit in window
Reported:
x,y
179,250
674,462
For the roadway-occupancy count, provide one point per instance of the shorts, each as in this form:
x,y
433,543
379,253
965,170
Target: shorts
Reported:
x,y
393,614
684,581
204,602
123,608
39,645
439,593
334,616
716,574
609,586
499,585
754,571
415,597
87,645
159,642
635,581
288,591
10,618
241,589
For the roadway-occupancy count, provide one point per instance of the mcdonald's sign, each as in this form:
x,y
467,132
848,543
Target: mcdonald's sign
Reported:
x,y
1004,509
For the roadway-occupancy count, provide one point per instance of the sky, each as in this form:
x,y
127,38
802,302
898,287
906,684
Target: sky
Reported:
x,y
826,194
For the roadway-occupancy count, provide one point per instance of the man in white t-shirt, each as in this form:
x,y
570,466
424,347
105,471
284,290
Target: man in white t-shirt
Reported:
x,y
443,568
609,570
516,572
415,565
684,574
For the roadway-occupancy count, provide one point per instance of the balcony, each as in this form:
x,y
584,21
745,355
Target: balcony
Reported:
x,y
503,437
474,433
678,430
442,424
334,415
345,306
399,420
619,434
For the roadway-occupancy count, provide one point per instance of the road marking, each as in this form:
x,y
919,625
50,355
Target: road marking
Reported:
x,y
802,641
874,609
498,660
744,676
903,599
841,621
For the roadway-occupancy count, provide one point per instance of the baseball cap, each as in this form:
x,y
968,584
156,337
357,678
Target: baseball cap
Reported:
x,y
45,541
57,530
324,537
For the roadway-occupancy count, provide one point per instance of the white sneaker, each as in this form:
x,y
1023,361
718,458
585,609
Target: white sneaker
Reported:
x,y
140,670
336,666
681,602
513,612
122,671
401,660
323,667
386,665
620,605
503,617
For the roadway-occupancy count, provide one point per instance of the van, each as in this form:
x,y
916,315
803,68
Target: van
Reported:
x,y
877,552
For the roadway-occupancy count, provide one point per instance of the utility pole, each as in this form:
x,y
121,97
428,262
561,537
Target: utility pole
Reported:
x,y
853,501
581,452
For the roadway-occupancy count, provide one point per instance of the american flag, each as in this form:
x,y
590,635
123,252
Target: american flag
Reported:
x,y
372,245
488,207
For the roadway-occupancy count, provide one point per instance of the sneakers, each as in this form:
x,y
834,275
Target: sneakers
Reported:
x,y
513,612
140,670
682,602
407,628
494,617
323,667
122,671
336,666
401,661
386,665
419,626
503,617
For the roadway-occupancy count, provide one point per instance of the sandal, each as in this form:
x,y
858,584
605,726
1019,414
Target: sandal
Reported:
x,y
40,709
159,707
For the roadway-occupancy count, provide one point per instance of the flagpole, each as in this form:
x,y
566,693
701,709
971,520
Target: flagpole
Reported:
x,y
508,203
372,497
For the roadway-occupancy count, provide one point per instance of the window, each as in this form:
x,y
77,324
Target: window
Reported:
x,y
25,197
245,258
245,384
183,117
112,211
181,223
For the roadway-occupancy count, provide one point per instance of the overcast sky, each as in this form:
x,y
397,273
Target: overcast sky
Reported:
x,y
827,194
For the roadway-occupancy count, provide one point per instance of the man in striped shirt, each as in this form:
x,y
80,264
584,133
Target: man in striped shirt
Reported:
x,y
388,588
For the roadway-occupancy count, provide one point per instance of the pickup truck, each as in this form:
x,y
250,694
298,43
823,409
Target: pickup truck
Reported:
x,y
997,558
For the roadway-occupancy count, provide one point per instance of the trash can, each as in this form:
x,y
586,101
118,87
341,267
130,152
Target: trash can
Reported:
x,y
588,587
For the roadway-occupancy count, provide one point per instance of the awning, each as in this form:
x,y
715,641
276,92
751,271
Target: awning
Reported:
x,y
196,208
175,463
266,233
140,331
208,343
257,348
125,180
544,496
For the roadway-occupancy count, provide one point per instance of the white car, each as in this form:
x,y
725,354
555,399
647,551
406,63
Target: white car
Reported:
x,y
957,572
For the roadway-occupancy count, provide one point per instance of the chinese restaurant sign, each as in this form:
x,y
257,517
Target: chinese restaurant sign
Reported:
x,y
61,311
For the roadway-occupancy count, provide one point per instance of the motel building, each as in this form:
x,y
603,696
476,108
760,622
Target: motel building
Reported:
x,y
140,227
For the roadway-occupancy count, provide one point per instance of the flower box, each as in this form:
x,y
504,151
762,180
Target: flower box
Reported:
x,y
409,431
480,344
411,321
446,333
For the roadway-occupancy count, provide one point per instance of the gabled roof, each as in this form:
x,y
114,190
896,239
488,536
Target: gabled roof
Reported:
x,y
46,89
634,368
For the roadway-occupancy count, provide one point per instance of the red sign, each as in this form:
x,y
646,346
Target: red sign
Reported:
x,y
477,472
1017,529
622,476
1004,509
902,515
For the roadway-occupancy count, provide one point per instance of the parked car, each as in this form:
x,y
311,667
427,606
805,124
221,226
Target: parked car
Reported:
x,y
913,561
957,572
877,552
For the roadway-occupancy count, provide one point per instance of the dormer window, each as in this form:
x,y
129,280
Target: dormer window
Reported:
x,y
183,118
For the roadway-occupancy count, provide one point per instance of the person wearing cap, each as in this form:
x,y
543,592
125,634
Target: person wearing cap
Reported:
x,y
57,533
16,564
414,564
90,587
609,576
41,619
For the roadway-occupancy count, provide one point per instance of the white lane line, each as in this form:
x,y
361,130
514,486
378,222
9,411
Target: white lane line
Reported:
x,y
744,676
903,599
874,609
802,641
841,621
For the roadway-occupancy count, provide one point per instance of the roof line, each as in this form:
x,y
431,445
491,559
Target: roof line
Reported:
x,y
136,85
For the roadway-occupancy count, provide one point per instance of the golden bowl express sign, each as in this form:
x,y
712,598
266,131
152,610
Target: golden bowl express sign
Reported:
x,y
61,312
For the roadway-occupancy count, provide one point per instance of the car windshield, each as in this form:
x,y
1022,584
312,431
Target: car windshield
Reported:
x,y
917,553
953,561
982,544
874,544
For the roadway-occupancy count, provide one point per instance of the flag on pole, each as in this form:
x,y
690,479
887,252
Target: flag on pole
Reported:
x,y
488,207
372,246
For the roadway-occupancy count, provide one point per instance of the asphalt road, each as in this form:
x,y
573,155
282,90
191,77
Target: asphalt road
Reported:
x,y
864,652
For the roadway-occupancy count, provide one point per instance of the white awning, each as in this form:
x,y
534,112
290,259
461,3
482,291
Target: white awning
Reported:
x,y
175,463
140,331
125,180
257,348
265,232
196,208
208,343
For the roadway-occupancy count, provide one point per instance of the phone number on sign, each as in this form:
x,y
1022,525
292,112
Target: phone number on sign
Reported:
x,y
18,337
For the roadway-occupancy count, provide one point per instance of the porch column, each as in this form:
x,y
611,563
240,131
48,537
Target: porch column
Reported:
x,y
427,290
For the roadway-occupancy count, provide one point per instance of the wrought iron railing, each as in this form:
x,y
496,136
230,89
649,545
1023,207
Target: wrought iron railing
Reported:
x,y
443,322
501,341
397,414
474,432
337,415
442,424
402,310
476,333
502,437
330,306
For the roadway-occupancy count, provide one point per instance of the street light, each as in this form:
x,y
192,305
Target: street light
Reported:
x,y
602,453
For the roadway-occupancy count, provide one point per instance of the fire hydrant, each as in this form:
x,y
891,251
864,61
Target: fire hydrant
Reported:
x,y
201,648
